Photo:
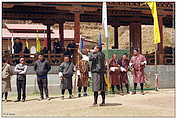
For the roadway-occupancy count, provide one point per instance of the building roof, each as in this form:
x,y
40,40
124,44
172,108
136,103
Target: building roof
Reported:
x,y
7,32
119,13
26,27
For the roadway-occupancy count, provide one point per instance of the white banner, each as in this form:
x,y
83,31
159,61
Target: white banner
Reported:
x,y
104,19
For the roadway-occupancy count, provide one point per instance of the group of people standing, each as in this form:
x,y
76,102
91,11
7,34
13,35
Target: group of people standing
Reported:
x,y
117,70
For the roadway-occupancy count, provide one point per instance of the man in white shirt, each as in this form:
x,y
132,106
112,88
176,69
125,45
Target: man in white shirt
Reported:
x,y
21,70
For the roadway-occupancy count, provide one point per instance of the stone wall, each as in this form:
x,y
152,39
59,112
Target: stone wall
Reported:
x,y
167,78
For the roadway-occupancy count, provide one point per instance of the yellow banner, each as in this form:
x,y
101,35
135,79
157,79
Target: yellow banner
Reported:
x,y
38,45
153,8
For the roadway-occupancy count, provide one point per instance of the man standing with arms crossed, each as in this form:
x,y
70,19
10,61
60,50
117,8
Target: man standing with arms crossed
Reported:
x,y
21,70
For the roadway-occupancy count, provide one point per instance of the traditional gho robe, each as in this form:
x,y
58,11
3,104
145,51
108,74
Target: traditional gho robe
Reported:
x,y
98,70
66,68
6,76
114,72
123,74
138,64
84,70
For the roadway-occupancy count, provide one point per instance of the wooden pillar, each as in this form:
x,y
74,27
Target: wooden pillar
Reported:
x,y
48,38
135,37
160,52
76,27
61,32
116,42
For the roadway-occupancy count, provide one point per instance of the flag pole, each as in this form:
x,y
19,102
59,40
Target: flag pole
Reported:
x,y
107,50
152,6
156,69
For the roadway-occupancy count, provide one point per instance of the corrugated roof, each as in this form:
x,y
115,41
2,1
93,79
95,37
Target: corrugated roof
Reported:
x,y
67,34
26,27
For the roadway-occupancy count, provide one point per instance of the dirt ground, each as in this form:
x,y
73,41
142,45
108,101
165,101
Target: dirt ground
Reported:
x,y
152,104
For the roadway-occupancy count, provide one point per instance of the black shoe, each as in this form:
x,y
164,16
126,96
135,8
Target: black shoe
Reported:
x,y
102,104
134,92
79,95
62,97
17,100
85,94
142,92
41,99
70,96
23,100
94,104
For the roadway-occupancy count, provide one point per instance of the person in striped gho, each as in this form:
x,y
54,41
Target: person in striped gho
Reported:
x,y
138,63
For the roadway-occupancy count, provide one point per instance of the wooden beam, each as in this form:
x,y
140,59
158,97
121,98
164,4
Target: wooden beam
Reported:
x,y
160,51
77,27
48,38
135,37
61,32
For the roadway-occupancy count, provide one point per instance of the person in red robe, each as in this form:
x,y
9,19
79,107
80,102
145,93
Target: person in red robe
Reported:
x,y
124,63
138,63
114,73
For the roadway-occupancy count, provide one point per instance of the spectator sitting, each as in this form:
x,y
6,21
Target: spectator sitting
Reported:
x,y
67,52
45,52
27,55
71,47
26,52
17,49
17,46
57,46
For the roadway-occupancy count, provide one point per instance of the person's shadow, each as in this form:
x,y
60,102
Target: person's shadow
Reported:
x,y
107,104
112,104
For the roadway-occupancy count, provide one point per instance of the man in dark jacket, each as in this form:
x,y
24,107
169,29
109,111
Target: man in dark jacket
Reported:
x,y
42,67
57,46
98,70
17,46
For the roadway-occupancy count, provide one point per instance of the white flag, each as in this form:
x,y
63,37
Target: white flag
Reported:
x,y
12,43
104,19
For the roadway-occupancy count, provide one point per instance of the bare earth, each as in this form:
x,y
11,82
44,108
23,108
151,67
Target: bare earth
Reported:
x,y
152,104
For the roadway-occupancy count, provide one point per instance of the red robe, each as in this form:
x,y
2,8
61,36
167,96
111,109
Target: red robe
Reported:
x,y
114,76
124,76
84,70
138,72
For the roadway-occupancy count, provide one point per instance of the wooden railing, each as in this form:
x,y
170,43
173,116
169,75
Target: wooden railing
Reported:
x,y
56,59
168,59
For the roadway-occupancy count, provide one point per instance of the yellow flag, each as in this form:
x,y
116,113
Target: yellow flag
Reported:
x,y
26,43
38,45
153,8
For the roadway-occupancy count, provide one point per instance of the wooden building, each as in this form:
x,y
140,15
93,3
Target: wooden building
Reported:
x,y
132,14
